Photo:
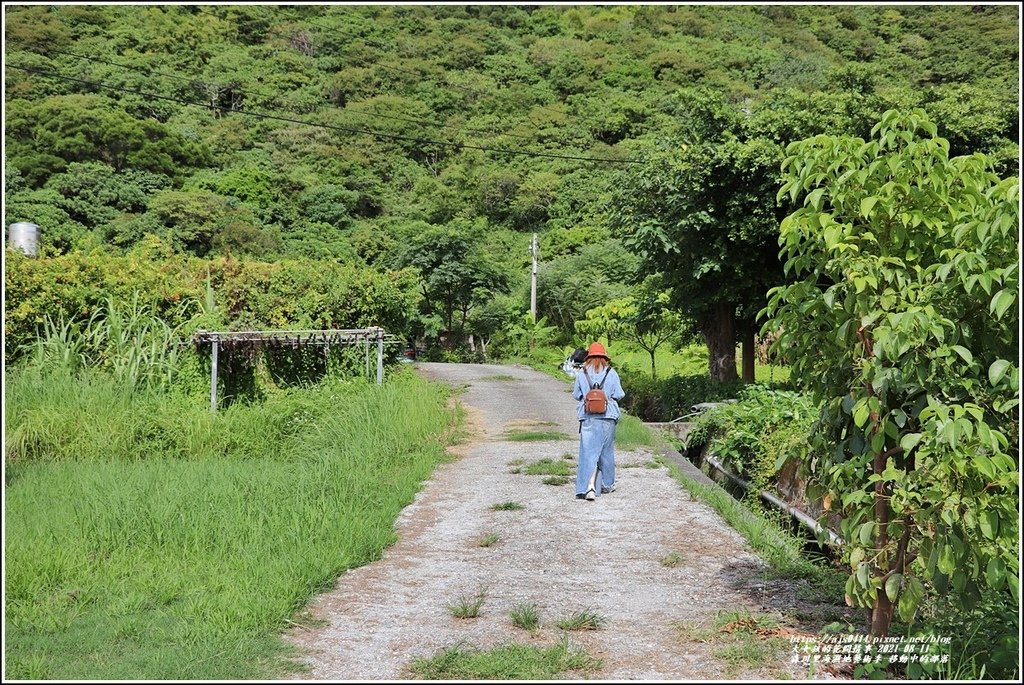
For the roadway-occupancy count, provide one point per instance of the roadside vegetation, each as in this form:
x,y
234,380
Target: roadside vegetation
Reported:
x,y
147,538
249,172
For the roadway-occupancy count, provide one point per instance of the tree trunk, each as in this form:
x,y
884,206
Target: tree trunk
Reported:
x,y
720,337
748,354
654,376
881,613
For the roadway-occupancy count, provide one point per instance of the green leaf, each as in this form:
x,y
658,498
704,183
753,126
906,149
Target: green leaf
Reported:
x,y
862,574
910,440
995,573
988,522
860,414
892,586
866,206
856,556
814,198
1001,302
997,370
866,532
964,353
910,599
985,465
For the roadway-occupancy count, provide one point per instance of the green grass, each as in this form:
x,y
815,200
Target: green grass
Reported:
x,y
146,540
468,607
507,662
631,433
583,619
525,616
671,560
548,467
517,435
507,506
556,480
499,377
489,540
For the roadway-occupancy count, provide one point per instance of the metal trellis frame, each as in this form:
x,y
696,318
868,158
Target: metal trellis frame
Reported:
x,y
350,336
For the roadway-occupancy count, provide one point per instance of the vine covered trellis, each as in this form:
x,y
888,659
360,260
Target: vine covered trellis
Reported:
x,y
257,340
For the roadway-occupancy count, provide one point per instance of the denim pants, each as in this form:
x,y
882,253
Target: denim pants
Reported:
x,y
597,451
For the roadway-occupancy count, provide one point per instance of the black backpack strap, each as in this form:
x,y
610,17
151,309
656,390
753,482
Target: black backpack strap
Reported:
x,y
600,385
590,383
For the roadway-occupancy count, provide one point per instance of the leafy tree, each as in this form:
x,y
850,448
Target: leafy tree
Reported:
x,y
202,222
904,322
456,274
94,194
642,318
567,288
48,135
702,214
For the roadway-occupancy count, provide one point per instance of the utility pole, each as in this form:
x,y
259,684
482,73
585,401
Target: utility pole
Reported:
x,y
533,279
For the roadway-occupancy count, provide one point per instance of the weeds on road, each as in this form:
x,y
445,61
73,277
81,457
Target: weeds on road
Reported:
x,y
548,467
489,540
672,559
556,480
468,607
740,640
507,662
507,506
525,616
584,619
631,433
517,435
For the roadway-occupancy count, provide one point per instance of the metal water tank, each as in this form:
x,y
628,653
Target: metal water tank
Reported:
x,y
24,236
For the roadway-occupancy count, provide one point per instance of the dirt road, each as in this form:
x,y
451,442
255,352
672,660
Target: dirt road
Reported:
x,y
561,553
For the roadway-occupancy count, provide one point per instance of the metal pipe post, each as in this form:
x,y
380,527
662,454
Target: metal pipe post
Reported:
x,y
213,377
533,280
380,356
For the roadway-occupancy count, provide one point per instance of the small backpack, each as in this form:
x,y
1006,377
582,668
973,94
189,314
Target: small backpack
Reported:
x,y
595,401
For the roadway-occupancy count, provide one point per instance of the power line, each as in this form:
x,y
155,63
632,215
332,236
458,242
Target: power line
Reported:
x,y
272,117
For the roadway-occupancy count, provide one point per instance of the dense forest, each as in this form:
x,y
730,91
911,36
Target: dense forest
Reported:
x,y
428,144
823,200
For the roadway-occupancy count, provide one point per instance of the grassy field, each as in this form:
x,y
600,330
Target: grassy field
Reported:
x,y
147,540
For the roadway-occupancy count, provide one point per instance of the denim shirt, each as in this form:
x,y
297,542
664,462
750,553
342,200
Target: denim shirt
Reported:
x,y
612,388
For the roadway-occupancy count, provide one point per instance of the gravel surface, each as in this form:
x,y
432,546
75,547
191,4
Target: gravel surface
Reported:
x,y
561,553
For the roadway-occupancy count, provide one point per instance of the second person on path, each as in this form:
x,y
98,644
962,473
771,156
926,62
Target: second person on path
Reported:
x,y
595,473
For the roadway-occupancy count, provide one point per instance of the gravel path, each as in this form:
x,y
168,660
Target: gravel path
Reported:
x,y
561,553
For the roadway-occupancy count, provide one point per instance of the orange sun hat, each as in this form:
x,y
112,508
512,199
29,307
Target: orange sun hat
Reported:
x,y
597,350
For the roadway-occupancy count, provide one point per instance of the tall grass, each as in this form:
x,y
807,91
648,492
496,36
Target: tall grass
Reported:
x,y
129,340
631,433
146,539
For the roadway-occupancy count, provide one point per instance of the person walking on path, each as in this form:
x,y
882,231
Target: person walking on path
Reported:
x,y
595,473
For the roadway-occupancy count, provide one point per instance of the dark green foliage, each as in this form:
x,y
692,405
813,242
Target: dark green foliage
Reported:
x,y
758,434
565,80
671,398
295,293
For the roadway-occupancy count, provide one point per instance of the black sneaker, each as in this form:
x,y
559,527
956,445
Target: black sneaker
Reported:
x,y
605,489
580,496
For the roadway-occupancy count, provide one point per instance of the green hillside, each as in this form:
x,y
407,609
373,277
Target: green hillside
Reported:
x,y
394,137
